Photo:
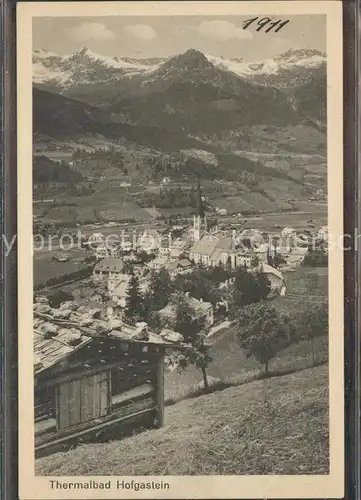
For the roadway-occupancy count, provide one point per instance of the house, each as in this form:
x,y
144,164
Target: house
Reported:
x,y
108,268
148,242
275,278
262,251
177,247
253,236
182,266
95,239
159,262
93,380
113,310
106,251
118,286
117,289
89,293
323,233
61,257
296,255
205,310
288,232
244,259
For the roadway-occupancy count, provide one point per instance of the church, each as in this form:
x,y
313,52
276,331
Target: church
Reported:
x,y
213,250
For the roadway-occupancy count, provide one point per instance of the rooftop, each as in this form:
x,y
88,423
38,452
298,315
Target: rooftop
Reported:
x,y
210,243
110,265
60,332
170,309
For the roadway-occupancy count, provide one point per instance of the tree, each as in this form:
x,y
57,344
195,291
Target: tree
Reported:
x,y
315,258
145,257
160,289
248,288
278,259
58,297
201,284
312,322
128,267
134,305
262,332
254,261
192,327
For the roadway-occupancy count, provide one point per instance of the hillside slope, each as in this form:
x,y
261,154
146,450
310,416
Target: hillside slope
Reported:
x,y
279,426
98,79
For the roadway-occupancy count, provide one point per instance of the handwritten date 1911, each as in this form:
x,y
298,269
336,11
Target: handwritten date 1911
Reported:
x,y
265,23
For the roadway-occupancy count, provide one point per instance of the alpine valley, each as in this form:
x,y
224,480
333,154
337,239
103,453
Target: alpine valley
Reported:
x,y
256,128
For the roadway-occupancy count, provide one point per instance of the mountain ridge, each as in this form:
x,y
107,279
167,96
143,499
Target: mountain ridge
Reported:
x,y
49,67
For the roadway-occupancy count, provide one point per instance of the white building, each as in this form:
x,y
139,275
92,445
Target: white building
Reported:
x,y
149,241
323,233
106,251
275,278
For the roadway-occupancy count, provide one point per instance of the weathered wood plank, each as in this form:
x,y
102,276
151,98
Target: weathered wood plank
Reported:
x,y
57,439
160,393
83,373
134,409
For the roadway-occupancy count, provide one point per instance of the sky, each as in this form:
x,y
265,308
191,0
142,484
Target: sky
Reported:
x,y
163,36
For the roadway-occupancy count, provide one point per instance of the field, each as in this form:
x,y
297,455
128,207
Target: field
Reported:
x,y
46,268
299,220
99,207
305,285
278,426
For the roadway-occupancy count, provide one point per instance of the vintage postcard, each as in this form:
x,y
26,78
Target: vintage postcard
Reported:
x,y
180,179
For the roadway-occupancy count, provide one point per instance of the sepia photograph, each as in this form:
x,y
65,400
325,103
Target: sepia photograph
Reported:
x,y
181,168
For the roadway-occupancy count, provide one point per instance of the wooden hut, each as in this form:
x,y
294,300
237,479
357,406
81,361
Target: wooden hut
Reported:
x,y
88,380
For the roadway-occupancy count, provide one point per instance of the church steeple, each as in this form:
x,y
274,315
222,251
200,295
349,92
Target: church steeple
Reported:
x,y
196,228
199,220
200,207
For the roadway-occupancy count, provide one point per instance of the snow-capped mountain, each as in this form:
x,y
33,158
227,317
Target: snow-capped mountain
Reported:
x,y
285,70
84,67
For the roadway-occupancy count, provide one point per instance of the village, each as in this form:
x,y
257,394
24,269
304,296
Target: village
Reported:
x,y
149,306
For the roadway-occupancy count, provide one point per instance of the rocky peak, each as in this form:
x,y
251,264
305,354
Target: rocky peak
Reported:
x,y
189,60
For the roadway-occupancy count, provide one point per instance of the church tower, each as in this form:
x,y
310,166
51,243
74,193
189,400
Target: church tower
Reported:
x,y
200,207
197,227
199,220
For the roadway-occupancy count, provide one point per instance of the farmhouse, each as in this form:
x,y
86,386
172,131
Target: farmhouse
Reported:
x,y
108,268
95,380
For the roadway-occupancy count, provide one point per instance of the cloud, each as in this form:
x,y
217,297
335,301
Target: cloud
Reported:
x,y
141,31
91,31
223,31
